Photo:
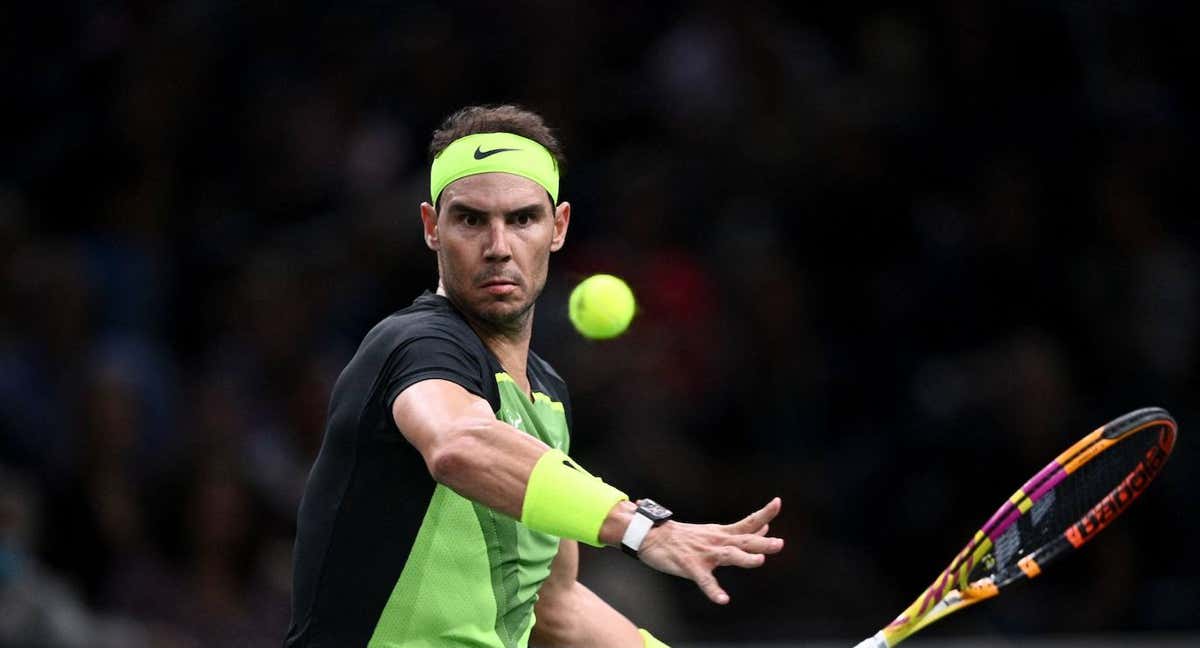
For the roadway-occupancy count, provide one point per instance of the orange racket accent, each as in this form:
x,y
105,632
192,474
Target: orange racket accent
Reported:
x,y
981,589
1070,453
1029,566
1098,446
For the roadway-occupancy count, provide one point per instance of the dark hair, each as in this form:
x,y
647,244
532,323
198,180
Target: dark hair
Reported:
x,y
496,119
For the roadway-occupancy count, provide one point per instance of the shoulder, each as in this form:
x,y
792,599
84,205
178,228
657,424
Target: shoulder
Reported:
x,y
427,340
428,337
429,316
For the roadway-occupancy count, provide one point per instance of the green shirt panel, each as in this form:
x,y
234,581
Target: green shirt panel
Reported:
x,y
473,574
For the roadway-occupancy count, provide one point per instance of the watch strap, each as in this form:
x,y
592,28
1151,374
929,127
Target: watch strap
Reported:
x,y
635,533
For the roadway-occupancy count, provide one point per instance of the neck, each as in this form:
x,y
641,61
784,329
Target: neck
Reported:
x,y
511,351
510,345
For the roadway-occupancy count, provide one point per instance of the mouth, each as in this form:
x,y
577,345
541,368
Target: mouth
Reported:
x,y
499,286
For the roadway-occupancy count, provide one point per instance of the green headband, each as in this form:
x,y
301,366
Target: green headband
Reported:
x,y
491,153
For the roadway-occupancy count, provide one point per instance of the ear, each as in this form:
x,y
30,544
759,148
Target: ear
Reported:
x,y
429,222
562,220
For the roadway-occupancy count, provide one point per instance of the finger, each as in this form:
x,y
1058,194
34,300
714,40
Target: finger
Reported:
x,y
758,518
758,544
734,557
763,530
708,584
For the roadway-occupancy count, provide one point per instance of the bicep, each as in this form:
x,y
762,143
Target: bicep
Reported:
x,y
428,412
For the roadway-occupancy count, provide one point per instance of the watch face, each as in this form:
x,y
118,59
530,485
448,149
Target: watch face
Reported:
x,y
653,510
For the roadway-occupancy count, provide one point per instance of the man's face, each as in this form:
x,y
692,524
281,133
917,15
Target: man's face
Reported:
x,y
493,237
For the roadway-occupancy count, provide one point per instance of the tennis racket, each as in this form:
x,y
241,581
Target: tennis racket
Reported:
x,y
1059,510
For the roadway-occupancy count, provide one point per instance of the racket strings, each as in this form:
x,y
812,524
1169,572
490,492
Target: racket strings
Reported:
x,y
1062,506
1084,488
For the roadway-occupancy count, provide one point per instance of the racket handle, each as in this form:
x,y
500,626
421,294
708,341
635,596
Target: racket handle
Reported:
x,y
874,642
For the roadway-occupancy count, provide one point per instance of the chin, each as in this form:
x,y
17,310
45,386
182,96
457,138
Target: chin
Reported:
x,y
503,313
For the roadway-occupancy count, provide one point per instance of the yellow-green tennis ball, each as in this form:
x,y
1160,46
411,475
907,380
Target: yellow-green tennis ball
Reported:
x,y
601,307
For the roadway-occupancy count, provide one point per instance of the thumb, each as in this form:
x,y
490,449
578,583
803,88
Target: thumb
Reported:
x,y
708,584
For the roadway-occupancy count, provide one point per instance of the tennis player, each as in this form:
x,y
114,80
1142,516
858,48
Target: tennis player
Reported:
x,y
444,508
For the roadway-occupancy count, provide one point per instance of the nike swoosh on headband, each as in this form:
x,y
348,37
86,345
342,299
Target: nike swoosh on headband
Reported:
x,y
480,154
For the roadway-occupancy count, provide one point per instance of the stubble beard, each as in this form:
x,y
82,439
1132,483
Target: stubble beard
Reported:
x,y
503,321
499,318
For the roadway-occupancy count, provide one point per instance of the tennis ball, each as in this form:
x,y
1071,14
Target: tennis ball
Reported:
x,y
601,307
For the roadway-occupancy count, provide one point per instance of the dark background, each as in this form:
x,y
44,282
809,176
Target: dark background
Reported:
x,y
890,261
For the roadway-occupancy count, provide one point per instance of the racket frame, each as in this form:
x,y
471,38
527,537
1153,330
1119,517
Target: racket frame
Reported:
x,y
952,591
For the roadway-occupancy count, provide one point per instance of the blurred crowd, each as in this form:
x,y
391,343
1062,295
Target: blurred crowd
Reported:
x,y
889,262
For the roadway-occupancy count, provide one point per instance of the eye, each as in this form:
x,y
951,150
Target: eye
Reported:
x,y
524,218
472,220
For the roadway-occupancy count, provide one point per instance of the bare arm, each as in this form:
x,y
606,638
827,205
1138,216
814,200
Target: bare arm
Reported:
x,y
465,447
488,461
571,615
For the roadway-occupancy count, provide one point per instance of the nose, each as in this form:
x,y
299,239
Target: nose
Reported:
x,y
497,249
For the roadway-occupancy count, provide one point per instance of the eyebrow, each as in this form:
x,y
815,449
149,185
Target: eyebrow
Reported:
x,y
462,208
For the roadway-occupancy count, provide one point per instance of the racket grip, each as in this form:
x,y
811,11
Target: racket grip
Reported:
x,y
873,642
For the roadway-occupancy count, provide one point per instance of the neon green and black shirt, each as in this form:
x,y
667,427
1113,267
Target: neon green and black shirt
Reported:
x,y
384,555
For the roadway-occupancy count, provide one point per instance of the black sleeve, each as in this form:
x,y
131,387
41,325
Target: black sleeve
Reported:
x,y
566,401
429,357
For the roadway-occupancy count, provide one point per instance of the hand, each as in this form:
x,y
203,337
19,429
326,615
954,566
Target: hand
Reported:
x,y
693,551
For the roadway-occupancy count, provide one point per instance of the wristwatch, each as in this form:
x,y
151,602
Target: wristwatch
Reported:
x,y
649,514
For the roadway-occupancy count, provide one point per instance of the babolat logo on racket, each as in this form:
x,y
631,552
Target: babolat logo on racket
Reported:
x,y
1123,495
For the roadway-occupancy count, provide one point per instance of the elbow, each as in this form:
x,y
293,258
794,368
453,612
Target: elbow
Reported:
x,y
458,456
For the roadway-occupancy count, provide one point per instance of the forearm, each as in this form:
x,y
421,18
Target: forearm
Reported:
x,y
488,461
575,617
493,463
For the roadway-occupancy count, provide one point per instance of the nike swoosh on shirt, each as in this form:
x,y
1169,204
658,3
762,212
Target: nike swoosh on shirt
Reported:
x,y
480,154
